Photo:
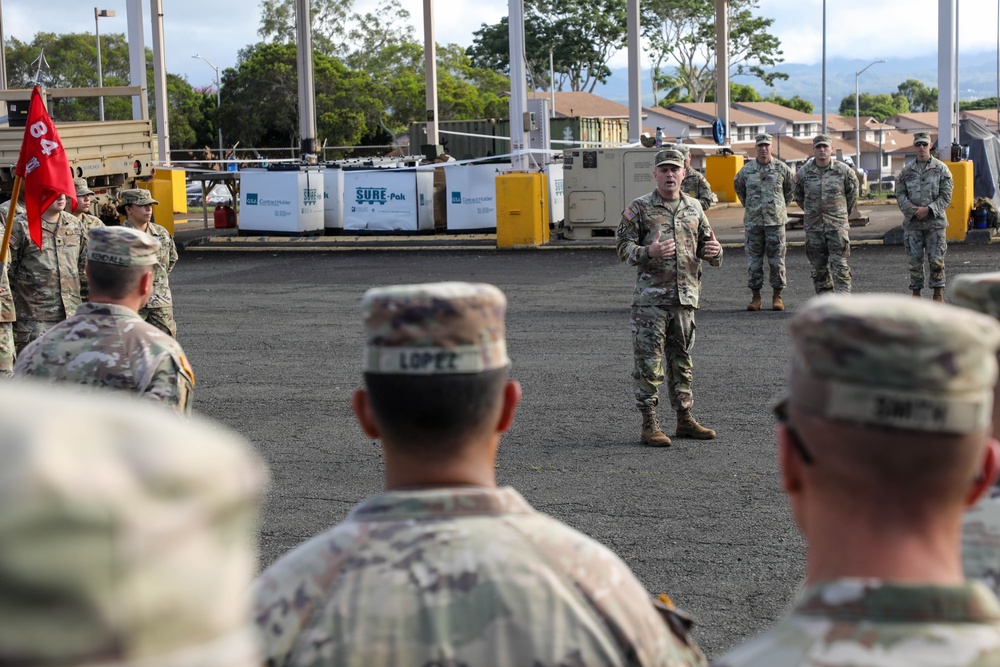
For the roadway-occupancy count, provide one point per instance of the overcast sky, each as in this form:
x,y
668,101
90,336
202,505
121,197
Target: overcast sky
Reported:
x,y
218,29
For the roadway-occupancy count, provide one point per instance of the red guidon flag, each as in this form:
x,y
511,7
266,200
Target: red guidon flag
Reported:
x,y
42,166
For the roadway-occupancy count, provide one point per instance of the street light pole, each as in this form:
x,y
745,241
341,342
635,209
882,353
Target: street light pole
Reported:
x,y
218,100
857,117
99,14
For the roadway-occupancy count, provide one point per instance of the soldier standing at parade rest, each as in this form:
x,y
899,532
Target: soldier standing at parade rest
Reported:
x,y
137,207
106,343
665,235
981,526
47,283
128,537
694,184
764,187
923,193
444,568
827,191
82,211
885,441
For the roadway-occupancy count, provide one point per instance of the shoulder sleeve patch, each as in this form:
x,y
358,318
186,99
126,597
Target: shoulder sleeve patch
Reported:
x,y
629,213
186,365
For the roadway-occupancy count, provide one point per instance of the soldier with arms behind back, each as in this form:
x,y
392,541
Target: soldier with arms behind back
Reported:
x,y
923,193
48,283
137,207
106,343
885,441
665,235
444,568
764,187
827,190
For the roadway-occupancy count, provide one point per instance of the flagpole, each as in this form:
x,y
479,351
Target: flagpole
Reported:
x,y
9,224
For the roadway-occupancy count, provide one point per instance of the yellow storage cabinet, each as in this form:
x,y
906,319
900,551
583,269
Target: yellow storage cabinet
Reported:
x,y
522,210
720,170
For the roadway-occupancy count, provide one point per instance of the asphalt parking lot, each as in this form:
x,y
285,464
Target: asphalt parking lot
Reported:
x,y
275,340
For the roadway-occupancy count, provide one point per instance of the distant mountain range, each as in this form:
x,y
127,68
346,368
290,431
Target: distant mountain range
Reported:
x,y
977,79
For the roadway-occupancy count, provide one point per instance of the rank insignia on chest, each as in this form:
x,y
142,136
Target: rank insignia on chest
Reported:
x,y
628,213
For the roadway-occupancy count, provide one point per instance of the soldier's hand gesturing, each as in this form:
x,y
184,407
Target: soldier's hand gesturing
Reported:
x,y
712,247
662,249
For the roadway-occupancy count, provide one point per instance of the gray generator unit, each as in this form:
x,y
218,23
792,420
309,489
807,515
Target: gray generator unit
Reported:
x,y
600,183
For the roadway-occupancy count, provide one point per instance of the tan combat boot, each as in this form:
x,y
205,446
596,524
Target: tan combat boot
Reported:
x,y
754,301
916,294
688,427
938,294
651,433
776,302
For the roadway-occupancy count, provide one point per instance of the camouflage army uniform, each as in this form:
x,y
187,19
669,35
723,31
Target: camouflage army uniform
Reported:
x,y
160,310
129,537
46,283
458,576
981,541
765,190
864,622
695,185
925,184
7,318
826,195
90,221
666,294
107,345
981,524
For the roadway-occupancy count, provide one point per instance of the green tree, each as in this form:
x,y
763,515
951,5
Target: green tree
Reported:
x,y
329,20
260,99
797,103
582,34
72,60
984,103
192,114
881,105
682,32
919,96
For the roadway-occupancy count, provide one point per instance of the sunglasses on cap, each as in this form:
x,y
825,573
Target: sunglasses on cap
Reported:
x,y
781,413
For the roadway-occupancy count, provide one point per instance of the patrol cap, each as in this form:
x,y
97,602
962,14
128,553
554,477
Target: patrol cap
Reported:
x,y
894,361
977,291
669,156
922,136
821,140
683,149
127,535
763,138
122,246
81,187
434,329
137,196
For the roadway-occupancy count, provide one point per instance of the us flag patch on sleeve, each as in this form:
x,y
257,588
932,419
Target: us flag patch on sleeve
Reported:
x,y
628,213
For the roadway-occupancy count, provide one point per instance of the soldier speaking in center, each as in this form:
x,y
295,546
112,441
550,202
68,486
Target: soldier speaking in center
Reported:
x,y
444,568
665,235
